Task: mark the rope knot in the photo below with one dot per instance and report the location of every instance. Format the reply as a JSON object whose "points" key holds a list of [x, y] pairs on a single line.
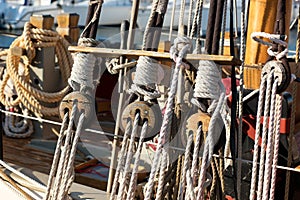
{"points": [[87, 42], [181, 46]]}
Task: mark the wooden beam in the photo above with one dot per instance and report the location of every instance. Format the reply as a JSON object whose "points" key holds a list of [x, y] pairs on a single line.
{"points": [[114, 53]]}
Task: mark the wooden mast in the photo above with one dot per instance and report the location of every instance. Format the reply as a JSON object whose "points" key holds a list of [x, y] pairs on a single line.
{"points": [[262, 18]]}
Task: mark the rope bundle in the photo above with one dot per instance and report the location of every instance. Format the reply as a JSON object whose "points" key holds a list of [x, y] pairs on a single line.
{"points": [[28, 95]]}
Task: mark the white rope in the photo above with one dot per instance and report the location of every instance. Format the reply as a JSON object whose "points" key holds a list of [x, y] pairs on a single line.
{"points": [[190, 188], [208, 83], [16, 127], [264, 136], [124, 178], [177, 55], [257, 137], [273, 38], [148, 73], [276, 145], [186, 166], [211, 140], [62, 170], [133, 179], [162, 173], [121, 160], [83, 72], [240, 102], [270, 142], [194, 169]]}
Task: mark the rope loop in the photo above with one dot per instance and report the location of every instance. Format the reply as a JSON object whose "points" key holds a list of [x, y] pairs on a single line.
{"points": [[30, 96], [274, 38], [181, 46]]}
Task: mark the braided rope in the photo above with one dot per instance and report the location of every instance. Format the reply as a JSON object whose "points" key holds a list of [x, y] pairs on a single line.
{"points": [[121, 160], [186, 166], [270, 143], [163, 170], [264, 136], [257, 136], [195, 160], [124, 178], [28, 95], [276, 145], [240, 103], [190, 20], [133, 179]]}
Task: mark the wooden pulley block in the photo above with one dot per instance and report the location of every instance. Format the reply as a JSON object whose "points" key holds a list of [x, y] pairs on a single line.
{"points": [[148, 112], [280, 71], [84, 105], [195, 120]]}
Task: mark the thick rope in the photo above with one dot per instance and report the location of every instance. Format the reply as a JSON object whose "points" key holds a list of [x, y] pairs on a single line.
{"points": [[162, 174], [28, 95], [224, 26], [84, 75], [190, 20], [148, 74], [174, 51], [207, 83]]}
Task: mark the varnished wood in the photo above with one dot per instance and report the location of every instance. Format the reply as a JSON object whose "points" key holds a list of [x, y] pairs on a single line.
{"points": [[114, 53]]}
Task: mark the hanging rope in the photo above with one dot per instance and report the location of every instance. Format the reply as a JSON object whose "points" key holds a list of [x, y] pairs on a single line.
{"points": [[30, 96], [177, 55], [62, 170], [240, 103]]}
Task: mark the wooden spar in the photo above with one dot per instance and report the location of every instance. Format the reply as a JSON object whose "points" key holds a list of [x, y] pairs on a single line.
{"points": [[114, 53], [217, 28], [210, 26], [262, 15]]}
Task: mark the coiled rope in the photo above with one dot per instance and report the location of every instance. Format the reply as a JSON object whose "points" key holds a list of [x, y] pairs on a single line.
{"points": [[28, 95]]}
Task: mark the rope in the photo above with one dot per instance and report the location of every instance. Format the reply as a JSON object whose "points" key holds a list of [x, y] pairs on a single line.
{"points": [[224, 26], [210, 141], [63, 161], [28, 95], [162, 174], [194, 169], [270, 143], [84, 74], [124, 178], [208, 83], [273, 38], [186, 166], [121, 160], [148, 74], [133, 179], [240, 102], [177, 55], [264, 136], [276, 146], [192, 2]]}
